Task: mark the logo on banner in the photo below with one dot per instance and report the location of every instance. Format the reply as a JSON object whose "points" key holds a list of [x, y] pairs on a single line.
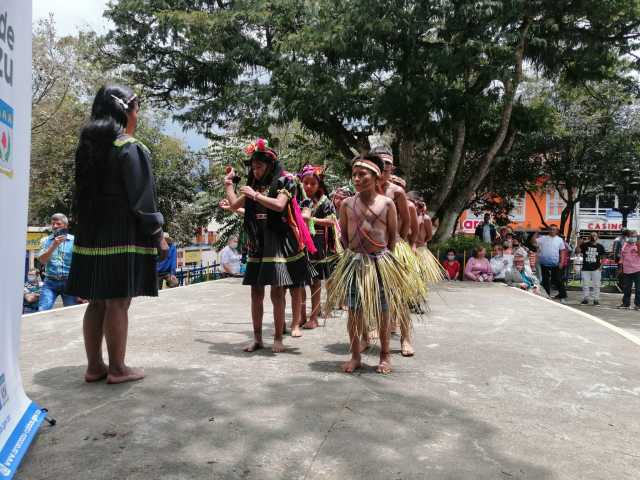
{"points": [[6, 139], [4, 471]]}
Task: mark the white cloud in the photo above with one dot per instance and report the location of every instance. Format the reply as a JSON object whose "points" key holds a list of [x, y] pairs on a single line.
{"points": [[72, 16]]}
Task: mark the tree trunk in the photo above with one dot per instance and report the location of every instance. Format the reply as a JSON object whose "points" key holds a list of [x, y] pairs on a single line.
{"points": [[448, 222], [407, 159], [452, 168]]}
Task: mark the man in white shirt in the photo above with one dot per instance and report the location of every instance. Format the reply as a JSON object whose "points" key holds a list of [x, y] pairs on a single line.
{"points": [[549, 248], [500, 263], [230, 258]]}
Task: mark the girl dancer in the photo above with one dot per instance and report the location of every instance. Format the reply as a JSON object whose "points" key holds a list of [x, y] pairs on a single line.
{"points": [[276, 237], [320, 215]]}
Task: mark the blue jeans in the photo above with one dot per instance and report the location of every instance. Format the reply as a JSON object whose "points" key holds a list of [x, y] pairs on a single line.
{"points": [[50, 291]]}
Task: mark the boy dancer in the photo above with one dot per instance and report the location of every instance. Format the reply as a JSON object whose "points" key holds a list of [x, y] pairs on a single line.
{"points": [[430, 268], [402, 249], [367, 277]]}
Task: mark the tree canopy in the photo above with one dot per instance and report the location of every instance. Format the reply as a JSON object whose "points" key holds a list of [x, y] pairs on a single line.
{"points": [[440, 78]]}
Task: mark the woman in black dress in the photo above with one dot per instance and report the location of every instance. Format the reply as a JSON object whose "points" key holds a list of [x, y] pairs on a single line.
{"points": [[118, 230], [320, 214], [275, 237]]}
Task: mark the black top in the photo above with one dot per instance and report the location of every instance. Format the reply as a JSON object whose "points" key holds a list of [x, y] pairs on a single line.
{"points": [[592, 254]]}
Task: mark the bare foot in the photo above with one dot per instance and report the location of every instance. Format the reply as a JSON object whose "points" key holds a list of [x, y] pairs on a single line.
{"points": [[406, 349], [91, 376], [384, 367], [278, 346], [129, 374], [253, 347], [352, 365], [311, 324], [296, 332]]}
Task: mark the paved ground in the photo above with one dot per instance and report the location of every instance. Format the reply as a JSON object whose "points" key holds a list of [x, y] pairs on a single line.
{"points": [[505, 386], [628, 320]]}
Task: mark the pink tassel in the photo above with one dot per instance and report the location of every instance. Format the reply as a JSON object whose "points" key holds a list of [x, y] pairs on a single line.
{"points": [[302, 227]]}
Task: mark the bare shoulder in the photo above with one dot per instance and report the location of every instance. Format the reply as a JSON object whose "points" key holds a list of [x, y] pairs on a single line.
{"points": [[349, 202]]}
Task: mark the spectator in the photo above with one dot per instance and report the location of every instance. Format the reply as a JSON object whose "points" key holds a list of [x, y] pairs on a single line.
{"points": [[230, 258], [31, 293], [451, 265], [517, 248], [506, 248], [55, 254], [630, 256], [592, 254], [486, 231], [532, 246], [550, 247], [478, 268], [500, 263], [167, 268], [520, 277]]}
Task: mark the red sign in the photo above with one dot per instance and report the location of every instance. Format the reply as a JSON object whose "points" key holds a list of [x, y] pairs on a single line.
{"points": [[604, 226], [470, 225]]}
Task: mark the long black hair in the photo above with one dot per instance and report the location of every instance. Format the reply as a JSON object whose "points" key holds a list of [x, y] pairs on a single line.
{"points": [[108, 120]]}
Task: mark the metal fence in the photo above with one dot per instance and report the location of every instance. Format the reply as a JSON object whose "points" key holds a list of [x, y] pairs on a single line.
{"points": [[203, 273]]}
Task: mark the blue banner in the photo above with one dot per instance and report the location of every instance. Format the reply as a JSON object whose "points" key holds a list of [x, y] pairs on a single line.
{"points": [[20, 439]]}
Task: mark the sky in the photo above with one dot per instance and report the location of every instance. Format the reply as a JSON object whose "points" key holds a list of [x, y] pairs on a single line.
{"points": [[72, 16]]}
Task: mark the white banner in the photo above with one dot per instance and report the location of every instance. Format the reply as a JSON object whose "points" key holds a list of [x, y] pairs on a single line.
{"points": [[19, 417]]}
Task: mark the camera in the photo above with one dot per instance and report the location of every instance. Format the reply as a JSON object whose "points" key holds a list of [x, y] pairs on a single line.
{"points": [[60, 232]]}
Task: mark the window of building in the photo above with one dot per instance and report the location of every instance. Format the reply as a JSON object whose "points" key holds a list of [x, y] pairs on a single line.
{"points": [[588, 202], [606, 201], [555, 204], [519, 207]]}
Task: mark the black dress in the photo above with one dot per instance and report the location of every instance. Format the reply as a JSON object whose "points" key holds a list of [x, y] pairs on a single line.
{"points": [[324, 238], [276, 254], [114, 254]]}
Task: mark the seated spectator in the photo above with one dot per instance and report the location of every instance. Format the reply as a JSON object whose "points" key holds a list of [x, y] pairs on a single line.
{"points": [[500, 263], [506, 247], [519, 277], [518, 248], [31, 293], [452, 266], [478, 268], [167, 268], [230, 258]]}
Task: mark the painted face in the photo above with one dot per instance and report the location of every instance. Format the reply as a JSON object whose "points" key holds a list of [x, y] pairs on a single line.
{"points": [[258, 168], [310, 184], [363, 179]]}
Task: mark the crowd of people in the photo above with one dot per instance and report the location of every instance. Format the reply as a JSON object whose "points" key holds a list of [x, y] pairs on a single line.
{"points": [[539, 262], [367, 244]]}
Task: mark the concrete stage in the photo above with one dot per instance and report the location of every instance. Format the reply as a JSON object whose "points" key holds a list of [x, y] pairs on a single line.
{"points": [[504, 385]]}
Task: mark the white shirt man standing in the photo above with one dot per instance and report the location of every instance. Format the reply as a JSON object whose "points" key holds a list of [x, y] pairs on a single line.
{"points": [[550, 247]]}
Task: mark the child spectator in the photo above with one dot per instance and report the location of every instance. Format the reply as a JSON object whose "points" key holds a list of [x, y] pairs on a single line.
{"points": [[452, 266]]}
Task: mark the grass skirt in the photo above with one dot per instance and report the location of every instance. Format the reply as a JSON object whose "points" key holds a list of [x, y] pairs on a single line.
{"points": [[417, 292], [368, 282], [431, 270]]}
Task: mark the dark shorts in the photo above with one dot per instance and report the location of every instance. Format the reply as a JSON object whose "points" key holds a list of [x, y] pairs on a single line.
{"points": [[353, 298]]}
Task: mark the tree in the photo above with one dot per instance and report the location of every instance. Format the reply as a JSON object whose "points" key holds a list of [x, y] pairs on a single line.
{"points": [[441, 78], [589, 128], [63, 84]]}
